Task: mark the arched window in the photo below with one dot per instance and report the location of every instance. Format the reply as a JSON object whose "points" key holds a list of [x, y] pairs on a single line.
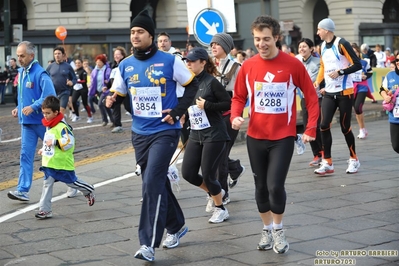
{"points": [[390, 10], [320, 12]]}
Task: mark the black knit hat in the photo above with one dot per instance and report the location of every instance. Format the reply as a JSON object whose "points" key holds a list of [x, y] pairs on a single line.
{"points": [[143, 20]]}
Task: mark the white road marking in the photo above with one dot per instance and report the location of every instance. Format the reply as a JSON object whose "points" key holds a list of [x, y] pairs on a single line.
{"points": [[63, 196]]}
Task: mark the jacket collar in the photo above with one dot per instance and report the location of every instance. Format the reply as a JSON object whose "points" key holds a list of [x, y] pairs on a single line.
{"points": [[27, 69]]}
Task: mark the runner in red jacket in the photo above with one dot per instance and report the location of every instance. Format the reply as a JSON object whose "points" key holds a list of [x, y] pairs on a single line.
{"points": [[269, 80]]}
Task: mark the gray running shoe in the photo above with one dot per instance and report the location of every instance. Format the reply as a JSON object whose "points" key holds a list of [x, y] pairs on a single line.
{"points": [[18, 195], [172, 240], [233, 181], [44, 214], [280, 243], [226, 200], [117, 130], [266, 241], [145, 253]]}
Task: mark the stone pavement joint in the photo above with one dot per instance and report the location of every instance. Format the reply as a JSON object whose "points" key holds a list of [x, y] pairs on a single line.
{"points": [[323, 215]]}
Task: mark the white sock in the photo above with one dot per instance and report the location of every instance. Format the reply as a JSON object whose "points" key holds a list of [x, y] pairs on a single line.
{"points": [[278, 226], [268, 227]]}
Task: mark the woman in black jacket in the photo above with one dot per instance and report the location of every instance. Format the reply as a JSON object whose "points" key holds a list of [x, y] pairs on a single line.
{"points": [[80, 89], [208, 135]]}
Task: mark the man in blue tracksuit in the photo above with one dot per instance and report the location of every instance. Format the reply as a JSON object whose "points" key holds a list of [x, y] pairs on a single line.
{"points": [[150, 77], [34, 84]]}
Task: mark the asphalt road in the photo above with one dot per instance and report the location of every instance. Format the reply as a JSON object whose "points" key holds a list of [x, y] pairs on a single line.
{"points": [[92, 141]]}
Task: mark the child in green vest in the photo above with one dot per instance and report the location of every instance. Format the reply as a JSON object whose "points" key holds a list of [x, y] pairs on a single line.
{"points": [[57, 157]]}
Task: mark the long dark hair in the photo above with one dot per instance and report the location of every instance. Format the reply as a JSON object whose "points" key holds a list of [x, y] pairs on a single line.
{"points": [[210, 67]]}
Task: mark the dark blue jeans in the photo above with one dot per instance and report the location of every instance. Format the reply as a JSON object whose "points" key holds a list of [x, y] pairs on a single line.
{"points": [[2, 92], [93, 100], [104, 110]]}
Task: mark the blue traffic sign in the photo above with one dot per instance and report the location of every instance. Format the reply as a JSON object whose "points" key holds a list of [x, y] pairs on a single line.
{"points": [[207, 23]]}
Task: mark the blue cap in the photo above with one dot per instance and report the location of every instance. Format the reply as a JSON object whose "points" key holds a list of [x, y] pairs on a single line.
{"points": [[197, 53]]}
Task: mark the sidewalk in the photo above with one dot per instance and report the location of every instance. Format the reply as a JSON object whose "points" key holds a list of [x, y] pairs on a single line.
{"points": [[323, 214]]}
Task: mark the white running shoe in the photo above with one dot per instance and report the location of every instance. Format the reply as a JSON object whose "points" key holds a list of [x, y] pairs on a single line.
{"points": [[117, 130], [90, 120], [266, 241], [365, 132], [325, 168], [300, 146], [219, 216], [361, 134], [211, 205], [353, 166], [226, 200], [18, 195], [75, 118], [145, 253], [280, 243], [172, 240]]}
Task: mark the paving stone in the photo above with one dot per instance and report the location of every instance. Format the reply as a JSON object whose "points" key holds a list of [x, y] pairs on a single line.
{"points": [[338, 212]]}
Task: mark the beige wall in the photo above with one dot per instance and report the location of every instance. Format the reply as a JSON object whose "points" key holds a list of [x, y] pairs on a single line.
{"points": [[94, 14], [172, 14]]}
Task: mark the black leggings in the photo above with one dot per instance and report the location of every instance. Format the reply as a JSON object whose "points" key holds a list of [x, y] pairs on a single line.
{"points": [[394, 129], [223, 171], [207, 156], [317, 146], [75, 96], [359, 102], [270, 161], [15, 94], [329, 105], [116, 109]]}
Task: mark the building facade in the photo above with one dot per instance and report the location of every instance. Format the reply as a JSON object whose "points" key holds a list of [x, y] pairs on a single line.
{"points": [[97, 26], [360, 21]]}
